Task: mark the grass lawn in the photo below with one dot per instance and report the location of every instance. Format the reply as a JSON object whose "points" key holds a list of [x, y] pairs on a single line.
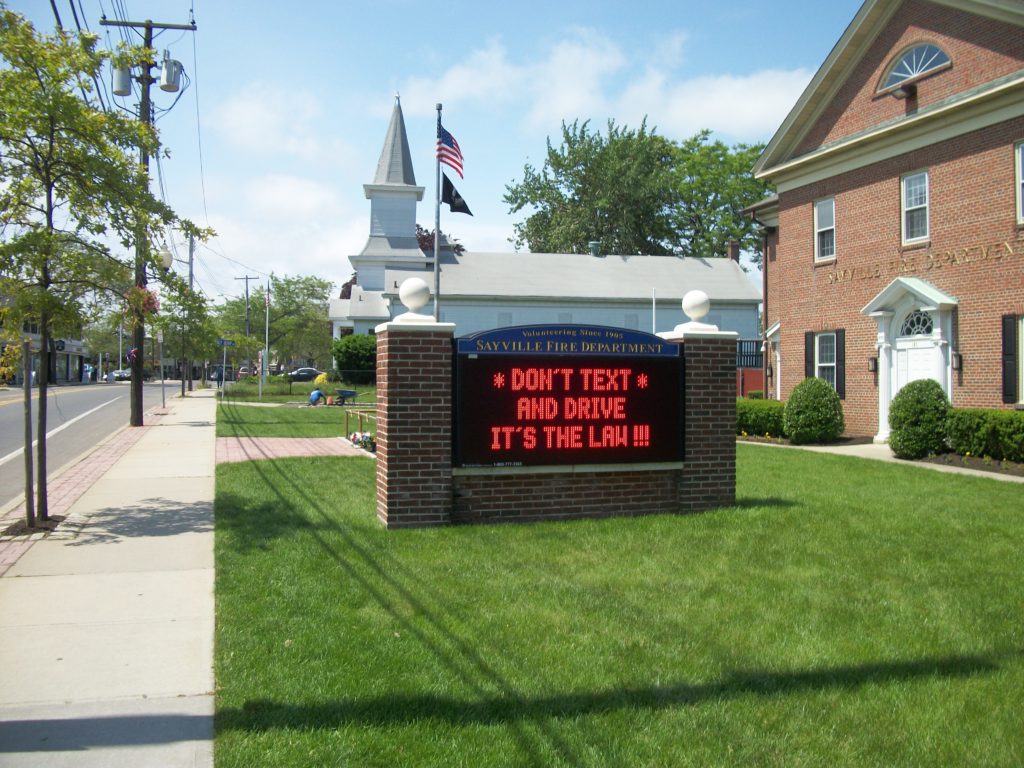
{"points": [[241, 420], [845, 612], [278, 391]]}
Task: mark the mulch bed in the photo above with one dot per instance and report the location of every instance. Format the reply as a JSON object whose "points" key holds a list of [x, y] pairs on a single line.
{"points": [[980, 463]]}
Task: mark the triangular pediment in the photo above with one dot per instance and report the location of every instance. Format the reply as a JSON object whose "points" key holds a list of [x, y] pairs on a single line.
{"points": [[925, 295], [844, 89]]}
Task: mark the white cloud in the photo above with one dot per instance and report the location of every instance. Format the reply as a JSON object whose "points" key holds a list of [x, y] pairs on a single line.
{"points": [[486, 76], [290, 197], [586, 74], [272, 120], [744, 107], [571, 82]]}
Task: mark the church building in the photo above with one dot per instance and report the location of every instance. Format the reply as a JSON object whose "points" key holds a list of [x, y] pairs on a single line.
{"points": [[894, 247], [481, 291]]}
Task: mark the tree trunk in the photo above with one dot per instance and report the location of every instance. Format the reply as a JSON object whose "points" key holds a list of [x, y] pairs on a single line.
{"points": [[42, 507]]}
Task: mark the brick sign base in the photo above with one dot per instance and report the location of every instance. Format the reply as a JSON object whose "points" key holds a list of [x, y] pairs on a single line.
{"points": [[417, 485]]}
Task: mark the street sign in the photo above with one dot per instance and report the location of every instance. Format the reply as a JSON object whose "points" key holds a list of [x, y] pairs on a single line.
{"points": [[226, 342]]}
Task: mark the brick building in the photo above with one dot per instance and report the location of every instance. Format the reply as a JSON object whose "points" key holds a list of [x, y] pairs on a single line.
{"points": [[894, 248]]}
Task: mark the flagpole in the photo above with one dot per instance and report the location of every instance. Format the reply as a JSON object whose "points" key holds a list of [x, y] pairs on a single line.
{"points": [[437, 226], [266, 340]]}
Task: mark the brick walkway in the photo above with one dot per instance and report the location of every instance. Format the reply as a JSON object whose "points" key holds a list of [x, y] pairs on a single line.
{"points": [[232, 449], [65, 489]]}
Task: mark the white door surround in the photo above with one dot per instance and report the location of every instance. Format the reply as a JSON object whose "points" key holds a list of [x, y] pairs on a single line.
{"points": [[915, 330]]}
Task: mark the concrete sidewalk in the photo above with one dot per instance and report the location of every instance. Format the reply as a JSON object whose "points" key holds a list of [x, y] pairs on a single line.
{"points": [[106, 626]]}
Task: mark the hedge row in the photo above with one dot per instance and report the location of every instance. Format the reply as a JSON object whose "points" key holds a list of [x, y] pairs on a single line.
{"points": [[762, 418], [986, 432], [990, 432]]}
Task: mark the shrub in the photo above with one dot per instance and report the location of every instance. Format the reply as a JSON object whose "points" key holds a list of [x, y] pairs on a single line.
{"points": [[759, 417], [986, 432], [813, 413], [917, 419], [355, 352], [322, 379]]}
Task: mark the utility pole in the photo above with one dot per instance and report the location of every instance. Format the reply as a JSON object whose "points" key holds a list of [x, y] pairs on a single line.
{"points": [[247, 278], [141, 238]]}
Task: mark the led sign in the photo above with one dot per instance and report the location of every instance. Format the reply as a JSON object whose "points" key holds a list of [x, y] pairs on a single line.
{"points": [[549, 395]]}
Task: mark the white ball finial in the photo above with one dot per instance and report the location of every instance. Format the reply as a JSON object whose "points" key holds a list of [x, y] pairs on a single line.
{"points": [[696, 305], [414, 293]]}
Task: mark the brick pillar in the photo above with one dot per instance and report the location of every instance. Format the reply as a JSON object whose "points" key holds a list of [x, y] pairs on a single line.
{"points": [[414, 424], [709, 477]]}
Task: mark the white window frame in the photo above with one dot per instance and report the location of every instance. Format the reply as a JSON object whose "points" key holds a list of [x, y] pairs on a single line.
{"points": [[820, 365], [1018, 158], [904, 210], [818, 230]]}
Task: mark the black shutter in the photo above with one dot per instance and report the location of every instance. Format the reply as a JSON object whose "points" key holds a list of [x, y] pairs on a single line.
{"points": [[809, 355], [841, 363], [1010, 361]]}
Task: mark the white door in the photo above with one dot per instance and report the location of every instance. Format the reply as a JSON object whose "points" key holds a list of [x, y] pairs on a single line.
{"points": [[915, 359]]}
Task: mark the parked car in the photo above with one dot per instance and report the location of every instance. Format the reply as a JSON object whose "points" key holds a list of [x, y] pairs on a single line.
{"points": [[123, 375], [243, 372], [303, 374]]}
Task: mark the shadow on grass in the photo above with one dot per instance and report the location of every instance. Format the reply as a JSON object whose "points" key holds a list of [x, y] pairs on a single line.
{"points": [[260, 714]]}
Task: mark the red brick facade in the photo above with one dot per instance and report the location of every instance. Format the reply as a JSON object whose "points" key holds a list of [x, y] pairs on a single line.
{"points": [[974, 252], [414, 427], [416, 485]]}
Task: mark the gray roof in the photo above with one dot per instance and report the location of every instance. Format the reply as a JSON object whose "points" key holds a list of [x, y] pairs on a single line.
{"points": [[582, 276], [395, 164], [393, 247]]}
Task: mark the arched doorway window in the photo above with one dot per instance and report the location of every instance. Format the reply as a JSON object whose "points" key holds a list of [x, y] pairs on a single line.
{"points": [[917, 323]]}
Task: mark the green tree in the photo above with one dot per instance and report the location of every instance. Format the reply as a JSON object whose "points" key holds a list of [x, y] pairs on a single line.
{"points": [[638, 193], [615, 188], [300, 333], [70, 184], [355, 352], [714, 185], [188, 328]]}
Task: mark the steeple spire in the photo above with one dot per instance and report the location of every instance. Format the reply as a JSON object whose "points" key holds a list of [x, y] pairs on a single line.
{"points": [[395, 164]]}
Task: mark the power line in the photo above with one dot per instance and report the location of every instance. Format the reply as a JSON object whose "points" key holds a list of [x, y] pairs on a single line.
{"points": [[199, 130]]}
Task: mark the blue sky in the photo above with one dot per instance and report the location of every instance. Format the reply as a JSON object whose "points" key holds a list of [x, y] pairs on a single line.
{"points": [[290, 103]]}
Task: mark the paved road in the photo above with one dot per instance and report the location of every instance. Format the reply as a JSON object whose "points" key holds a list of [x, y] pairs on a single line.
{"points": [[78, 417]]}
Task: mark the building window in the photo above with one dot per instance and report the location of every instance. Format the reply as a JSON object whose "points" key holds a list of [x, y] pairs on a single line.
{"points": [[915, 207], [1018, 156], [915, 64], [825, 229], [825, 358], [917, 323]]}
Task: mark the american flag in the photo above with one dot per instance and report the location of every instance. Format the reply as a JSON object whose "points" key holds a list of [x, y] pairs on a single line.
{"points": [[448, 151]]}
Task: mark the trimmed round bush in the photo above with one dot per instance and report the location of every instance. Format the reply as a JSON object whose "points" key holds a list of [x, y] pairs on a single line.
{"points": [[917, 420], [813, 413]]}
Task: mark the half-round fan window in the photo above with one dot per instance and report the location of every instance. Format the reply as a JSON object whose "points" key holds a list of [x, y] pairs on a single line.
{"points": [[916, 62], [918, 323]]}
